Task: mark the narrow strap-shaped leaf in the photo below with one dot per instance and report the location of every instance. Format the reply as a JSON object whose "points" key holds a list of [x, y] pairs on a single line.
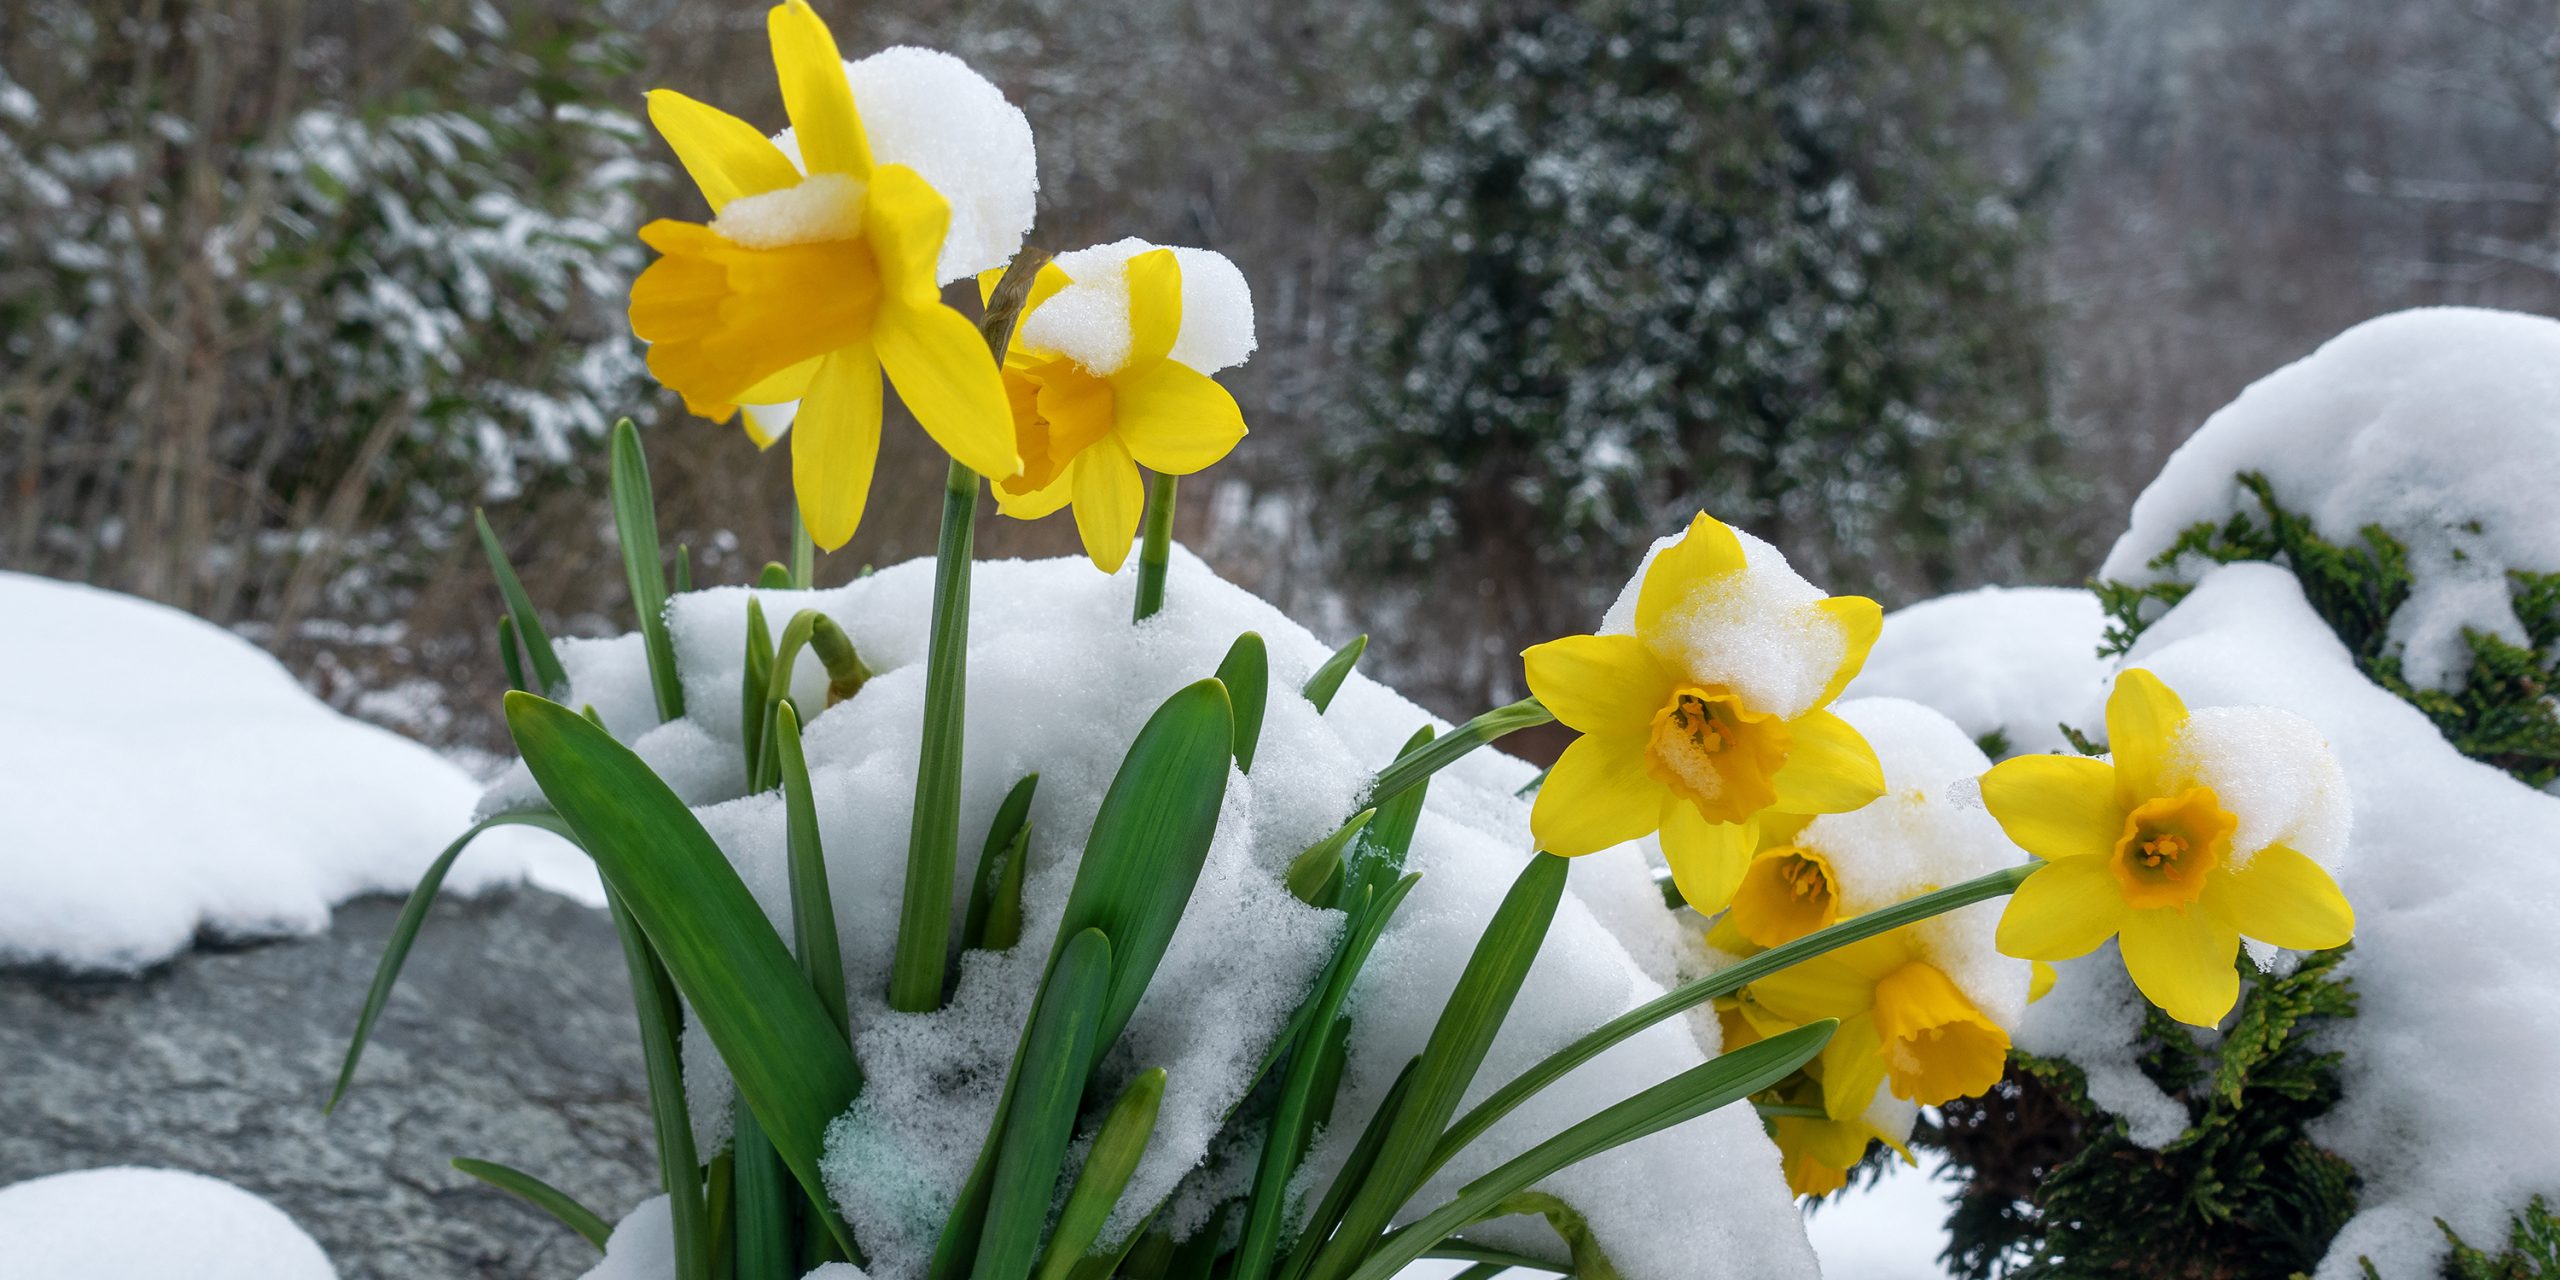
{"points": [[764, 1205], [537, 642], [1482, 1271], [684, 568], [757, 676], [1355, 1169], [1150, 1257], [1197, 1259], [720, 1213], [661, 1019], [508, 654], [795, 637], [1686, 1096], [922, 952], [1450, 1059], [1590, 1261], [996, 864], [1500, 1260], [1315, 876], [1246, 672], [404, 933], [541, 1195], [775, 576], [1500, 721], [1327, 679], [804, 553], [813, 907], [635, 526], [1117, 1148], [791, 1063], [1379, 855], [1049, 1077]]}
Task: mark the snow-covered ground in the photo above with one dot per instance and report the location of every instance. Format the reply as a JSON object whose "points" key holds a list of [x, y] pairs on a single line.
{"points": [[149, 1224]]}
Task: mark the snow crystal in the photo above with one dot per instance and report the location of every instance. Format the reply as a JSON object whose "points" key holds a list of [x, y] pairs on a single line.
{"points": [[83, 1226], [2441, 425], [2015, 661], [1088, 320], [929, 111], [165, 777], [2271, 770], [1758, 635], [642, 1246], [825, 207]]}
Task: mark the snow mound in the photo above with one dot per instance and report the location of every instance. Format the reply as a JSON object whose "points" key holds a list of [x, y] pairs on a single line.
{"points": [[642, 1246], [1088, 321], [2441, 425], [1060, 682], [162, 778], [2015, 661], [150, 1224], [1760, 635]]}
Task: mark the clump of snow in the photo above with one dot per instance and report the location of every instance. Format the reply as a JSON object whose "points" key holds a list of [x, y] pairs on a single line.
{"points": [[825, 207], [2271, 771], [929, 111], [165, 778], [2441, 425], [1088, 320], [2093, 1016], [836, 1271], [1060, 682], [129, 1223], [1757, 632], [2015, 661], [642, 1246]]}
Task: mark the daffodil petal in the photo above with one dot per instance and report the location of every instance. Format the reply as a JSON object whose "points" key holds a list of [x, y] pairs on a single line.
{"points": [[1155, 307], [2284, 898], [1707, 858], [1597, 796], [1861, 620], [2182, 961], [2143, 718], [726, 157], [835, 442], [905, 220], [1822, 987], [1045, 284], [2056, 807], [767, 424], [1829, 769], [790, 384], [1707, 551], [1175, 419], [2063, 909], [1853, 1068], [1109, 499], [943, 372], [1598, 684], [1038, 502], [815, 92]]}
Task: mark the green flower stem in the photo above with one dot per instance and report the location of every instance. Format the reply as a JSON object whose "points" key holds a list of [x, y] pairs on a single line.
{"points": [[1414, 766], [804, 552], [1723, 982], [1155, 545], [933, 837]]}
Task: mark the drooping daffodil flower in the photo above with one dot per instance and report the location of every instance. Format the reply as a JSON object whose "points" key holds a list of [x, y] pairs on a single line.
{"points": [[821, 267], [1109, 372], [2200, 830], [1701, 708]]}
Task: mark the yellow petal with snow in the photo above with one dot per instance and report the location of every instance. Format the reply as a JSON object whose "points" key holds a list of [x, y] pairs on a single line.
{"points": [[2282, 897], [1598, 684], [835, 442], [726, 157], [942, 371], [1175, 419], [1707, 858], [765, 423], [2063, 909], [1829, 768], [2040, 979], [2183, 962], [1861, 621], [1109, 500], [905, 220], [1706, 552], [1597, 796], [815, 92], [2143, 719], [2056, 807], [1155, 307]]}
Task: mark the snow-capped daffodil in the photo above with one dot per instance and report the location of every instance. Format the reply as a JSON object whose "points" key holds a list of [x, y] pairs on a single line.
{"points": [[1703, 709], [1104, 377], [1818, 1151], [2141, 847], [1903, 1022], [812, 280]]}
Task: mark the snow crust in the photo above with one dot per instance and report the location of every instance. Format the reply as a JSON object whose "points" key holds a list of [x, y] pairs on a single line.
{"points": [[1060, 681], [161, 778], [128, 1223], [2441, 425], [1757, 634], [2017, 661], [825, 207], [1088, 321]]}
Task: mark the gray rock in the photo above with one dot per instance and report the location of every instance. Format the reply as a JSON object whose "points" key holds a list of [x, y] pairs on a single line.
{"points": [[510, 1039]]}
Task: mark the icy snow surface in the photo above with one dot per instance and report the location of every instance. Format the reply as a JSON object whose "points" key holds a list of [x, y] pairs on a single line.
{"points": [[161, 777], [2441, 425], [1759, 634], [1060, 681], [2017, 661], [1088, 320], [149, 1224]]}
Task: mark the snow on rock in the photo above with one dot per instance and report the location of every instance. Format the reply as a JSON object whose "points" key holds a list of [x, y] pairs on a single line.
{"points": [[161, 778], [2454, 883], [2015, 661], [149, 1224], [1059, 682], [2441, 425], [1088, 320]]}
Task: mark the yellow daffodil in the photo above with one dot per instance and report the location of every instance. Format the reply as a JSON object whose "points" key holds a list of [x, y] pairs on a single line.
{"points": [[809, 286], [2140, 849], [1818, 1151], [1786, 891], [1903, 1023], [1689, 724], [1084, 426]]}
